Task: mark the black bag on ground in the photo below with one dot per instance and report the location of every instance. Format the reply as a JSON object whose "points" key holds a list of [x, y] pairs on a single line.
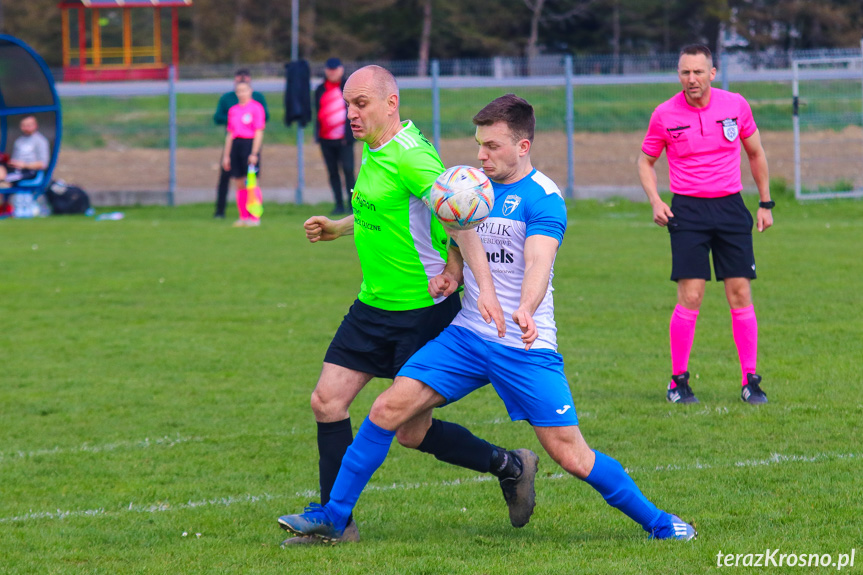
{"points": [[66, 199]]}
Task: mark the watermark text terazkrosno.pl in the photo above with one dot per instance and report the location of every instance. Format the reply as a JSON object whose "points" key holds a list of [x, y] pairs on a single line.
{"points": [[776, 558]]}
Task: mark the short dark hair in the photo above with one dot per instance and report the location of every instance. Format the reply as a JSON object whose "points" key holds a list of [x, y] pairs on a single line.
{"points": [[695, 49], [516, 112], [243, 72]]}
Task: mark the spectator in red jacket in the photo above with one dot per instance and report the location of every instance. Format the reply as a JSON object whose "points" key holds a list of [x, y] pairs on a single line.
{"points": [[333, 133]]}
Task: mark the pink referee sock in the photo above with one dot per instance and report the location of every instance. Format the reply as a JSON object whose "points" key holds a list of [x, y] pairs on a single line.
{"points": [[681, 332], [744, 326], [242, 198]]}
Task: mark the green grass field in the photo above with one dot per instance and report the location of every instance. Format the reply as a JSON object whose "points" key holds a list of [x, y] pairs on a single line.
{"points": [[156, 375], [94, 122]]}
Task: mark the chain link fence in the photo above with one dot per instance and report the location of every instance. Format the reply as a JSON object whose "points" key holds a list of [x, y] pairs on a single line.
{"points": [[117, 137], [828, 138]]}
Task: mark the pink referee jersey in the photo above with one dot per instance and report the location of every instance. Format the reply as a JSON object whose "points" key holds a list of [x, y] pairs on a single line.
{"points": [[702, 144], [245, 119]]}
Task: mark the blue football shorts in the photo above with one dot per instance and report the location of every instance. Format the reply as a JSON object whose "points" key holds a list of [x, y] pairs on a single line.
{"points": [[531, 383]]}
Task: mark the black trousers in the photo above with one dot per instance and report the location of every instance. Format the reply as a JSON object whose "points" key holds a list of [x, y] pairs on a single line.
{"points": [[338, 154], [222, 189]]}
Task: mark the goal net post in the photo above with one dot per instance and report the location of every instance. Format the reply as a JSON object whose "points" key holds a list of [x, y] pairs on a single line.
{"points": [[828, 127]]}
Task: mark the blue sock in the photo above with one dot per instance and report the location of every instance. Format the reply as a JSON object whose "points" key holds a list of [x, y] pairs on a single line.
{"points": [[620, 491], [362, 459]]}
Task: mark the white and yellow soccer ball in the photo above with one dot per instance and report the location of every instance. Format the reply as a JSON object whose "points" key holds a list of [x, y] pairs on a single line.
{"points": [[462, 197]]}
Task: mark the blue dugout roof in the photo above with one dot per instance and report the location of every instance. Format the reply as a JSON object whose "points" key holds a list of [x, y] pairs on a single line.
{"points": [[27, 89]]}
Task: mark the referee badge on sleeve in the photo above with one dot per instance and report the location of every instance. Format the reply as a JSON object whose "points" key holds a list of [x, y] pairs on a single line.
{"points": [[729, 128]]}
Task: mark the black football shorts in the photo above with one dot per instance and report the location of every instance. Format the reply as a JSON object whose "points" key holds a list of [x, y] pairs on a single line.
{"points": [[701, 226], [379, 342], [241, 149]]}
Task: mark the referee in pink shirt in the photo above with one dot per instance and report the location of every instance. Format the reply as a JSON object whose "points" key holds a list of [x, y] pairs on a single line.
{"points": [[243, 140], [701, 129]]}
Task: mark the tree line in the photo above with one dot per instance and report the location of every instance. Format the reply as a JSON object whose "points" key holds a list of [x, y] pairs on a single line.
{"points": [[251, 31]]}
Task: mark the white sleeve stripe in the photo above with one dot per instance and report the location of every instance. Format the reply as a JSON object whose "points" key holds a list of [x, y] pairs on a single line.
{"points": [[546, 183], [406, 141]]}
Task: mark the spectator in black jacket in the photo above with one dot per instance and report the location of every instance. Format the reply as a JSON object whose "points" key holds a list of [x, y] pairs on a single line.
{"points": [[333, 132]]}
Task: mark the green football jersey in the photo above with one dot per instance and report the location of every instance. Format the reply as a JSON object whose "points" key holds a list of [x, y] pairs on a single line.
{"points": [[400, 243]]}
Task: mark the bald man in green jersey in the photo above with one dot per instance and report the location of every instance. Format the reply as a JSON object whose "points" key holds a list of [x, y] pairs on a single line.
{"points": [[400, 246]]}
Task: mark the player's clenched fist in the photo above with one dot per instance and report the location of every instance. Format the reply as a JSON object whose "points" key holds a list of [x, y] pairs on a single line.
{"points": [[322, 228], [314, 227], [442, 285]]}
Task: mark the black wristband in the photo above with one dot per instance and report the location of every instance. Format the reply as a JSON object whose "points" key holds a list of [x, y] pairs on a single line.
{"points": [[767, 205]]}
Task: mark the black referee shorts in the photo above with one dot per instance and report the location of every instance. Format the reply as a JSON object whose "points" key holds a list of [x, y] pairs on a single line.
{"points": [[700, 226], [241, 149], [379, 342]]}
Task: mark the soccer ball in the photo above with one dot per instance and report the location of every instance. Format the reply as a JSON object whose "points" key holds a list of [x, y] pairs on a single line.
{"points": [[461, 198]]}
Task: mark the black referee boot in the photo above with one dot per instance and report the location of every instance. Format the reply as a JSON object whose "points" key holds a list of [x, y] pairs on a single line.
{"points": [[682, 393], [751, 392]]}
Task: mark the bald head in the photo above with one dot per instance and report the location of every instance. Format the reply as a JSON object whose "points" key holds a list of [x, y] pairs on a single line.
{"points": [[376, 80], [372, 96]]}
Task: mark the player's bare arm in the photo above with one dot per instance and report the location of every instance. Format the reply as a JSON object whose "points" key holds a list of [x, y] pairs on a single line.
{"points": [[452, 276], [647, 175], [322, 228], [539, 254], [474, 255], [761, 175]]}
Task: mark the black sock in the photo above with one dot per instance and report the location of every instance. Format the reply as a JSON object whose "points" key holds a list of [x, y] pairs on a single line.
{"points": [[505, 464], [452, 443], [333, 441]]}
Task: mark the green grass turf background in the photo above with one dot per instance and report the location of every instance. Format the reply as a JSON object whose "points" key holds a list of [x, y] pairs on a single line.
{"points": [[156, 374]]}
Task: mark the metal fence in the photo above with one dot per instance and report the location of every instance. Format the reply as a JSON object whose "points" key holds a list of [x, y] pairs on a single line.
{"points": [[123, 143], [827, 120]]}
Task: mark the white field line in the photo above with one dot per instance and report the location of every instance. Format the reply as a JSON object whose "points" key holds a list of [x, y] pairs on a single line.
{"points": [[164, 441], [87, 447], [132, 508], [774, 459]]}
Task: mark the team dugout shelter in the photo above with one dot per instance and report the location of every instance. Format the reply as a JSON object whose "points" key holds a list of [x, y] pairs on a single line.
{"points": [[27, 89], [111, 40]]}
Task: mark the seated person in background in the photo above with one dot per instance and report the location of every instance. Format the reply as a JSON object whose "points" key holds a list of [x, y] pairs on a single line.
{"points": [[30, 154]]}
